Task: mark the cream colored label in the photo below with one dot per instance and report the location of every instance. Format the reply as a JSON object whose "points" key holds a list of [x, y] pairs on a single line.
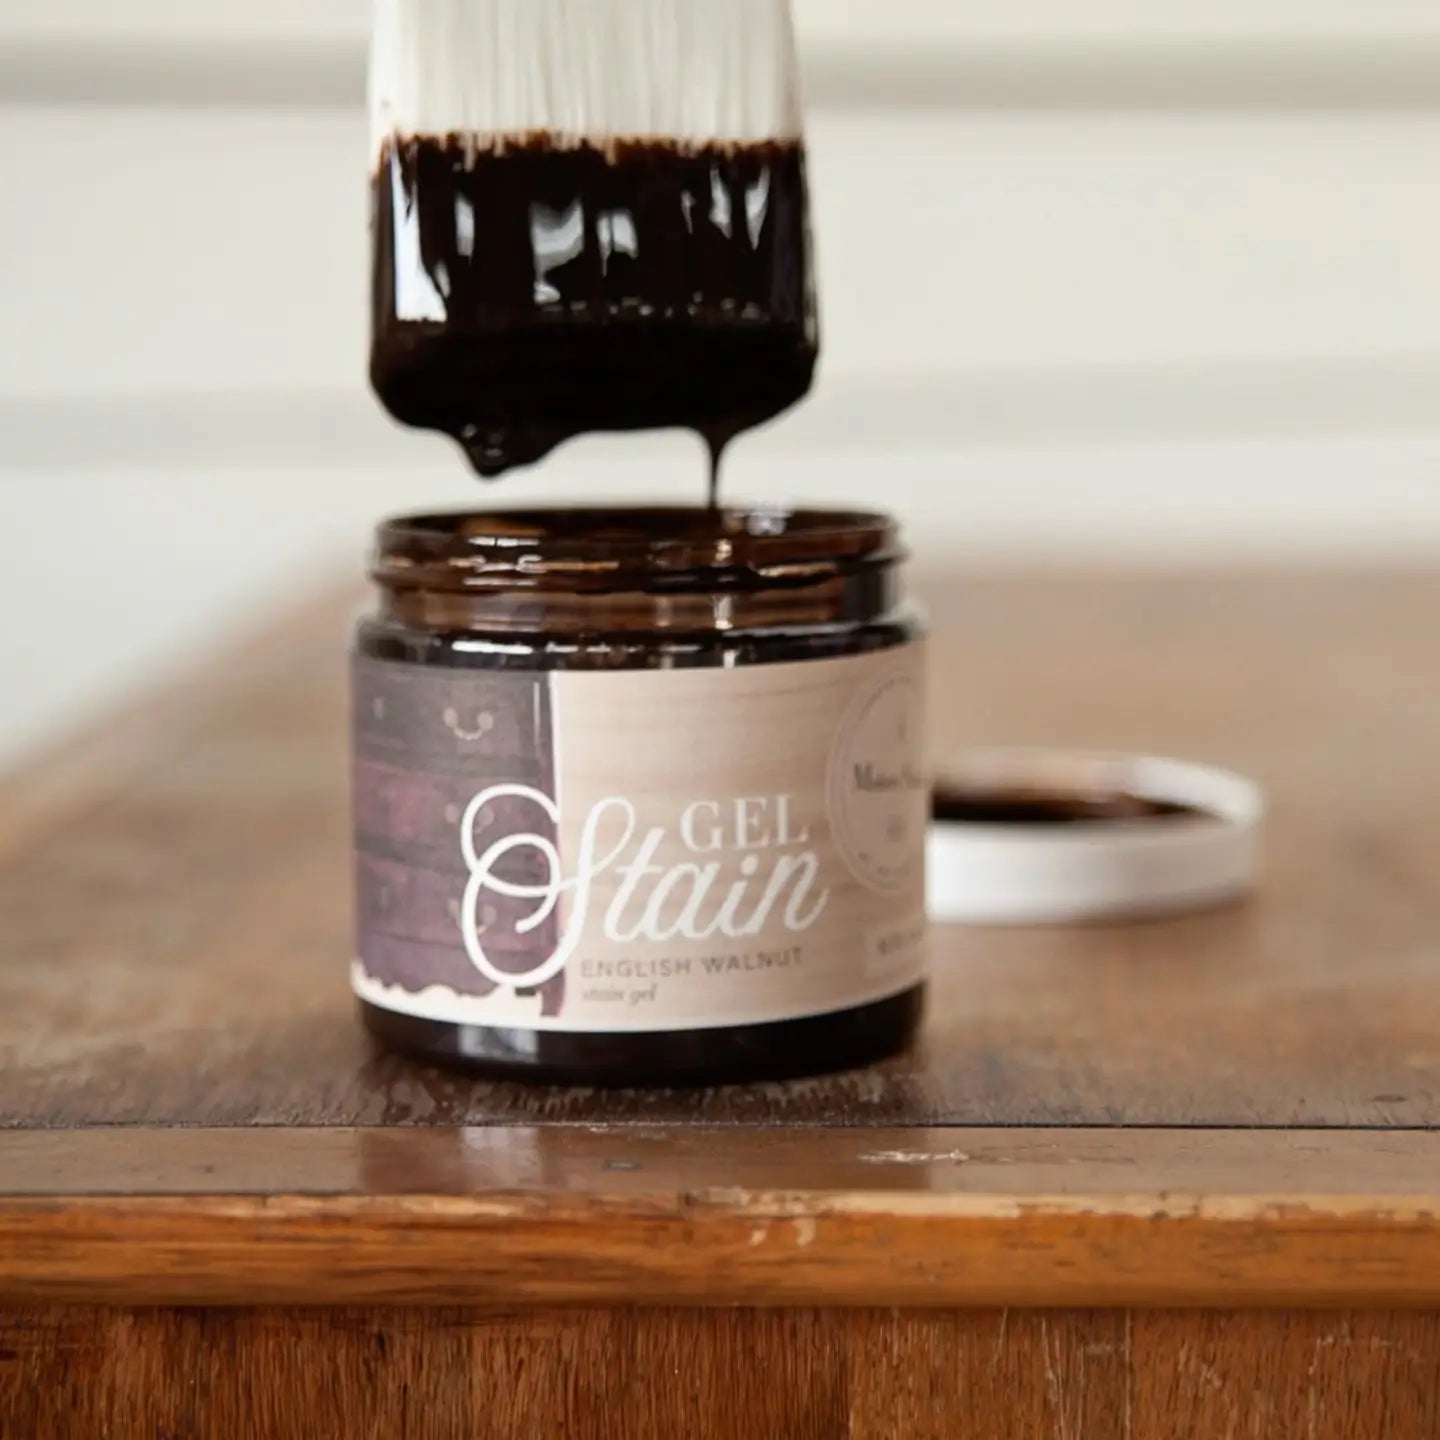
{"points": [[642, 850]]}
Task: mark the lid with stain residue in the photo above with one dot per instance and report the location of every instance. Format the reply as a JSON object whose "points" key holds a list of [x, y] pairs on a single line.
{"points": [[1041, 837]]}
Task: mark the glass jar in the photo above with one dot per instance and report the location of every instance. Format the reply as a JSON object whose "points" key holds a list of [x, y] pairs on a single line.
{"points": [[639, 794]]}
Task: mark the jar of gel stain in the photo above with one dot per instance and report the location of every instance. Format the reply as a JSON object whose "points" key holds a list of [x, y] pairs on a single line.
{"points": [[639, 794]]}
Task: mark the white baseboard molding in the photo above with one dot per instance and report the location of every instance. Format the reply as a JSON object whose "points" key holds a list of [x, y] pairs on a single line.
{"points": [[914, 73], [851, 21], [882, 415]]}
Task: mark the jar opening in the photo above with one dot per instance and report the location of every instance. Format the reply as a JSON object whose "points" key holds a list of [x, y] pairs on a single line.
{"points": [[643, 548]]}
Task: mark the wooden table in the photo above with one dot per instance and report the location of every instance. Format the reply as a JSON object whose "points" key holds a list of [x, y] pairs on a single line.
{"points": [[1169, 1179]]}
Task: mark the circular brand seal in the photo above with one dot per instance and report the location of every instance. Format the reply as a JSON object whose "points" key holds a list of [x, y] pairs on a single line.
{"points": [[877, 794]]}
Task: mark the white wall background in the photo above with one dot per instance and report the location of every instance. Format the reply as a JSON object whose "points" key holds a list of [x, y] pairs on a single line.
{"points": [[1128, 282]]}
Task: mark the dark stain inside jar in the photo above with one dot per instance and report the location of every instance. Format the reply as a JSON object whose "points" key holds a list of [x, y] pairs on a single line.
{"points": [[1039, 807]]}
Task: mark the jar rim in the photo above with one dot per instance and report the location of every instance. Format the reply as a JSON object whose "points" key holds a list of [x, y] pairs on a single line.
{"points": [[630, 546]]}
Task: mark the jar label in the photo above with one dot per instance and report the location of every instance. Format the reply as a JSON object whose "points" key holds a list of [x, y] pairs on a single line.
{"points": [[640, 850]]}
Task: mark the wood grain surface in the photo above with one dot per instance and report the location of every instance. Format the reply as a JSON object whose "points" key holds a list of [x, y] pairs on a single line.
{"points": [[1236, 1110], [726, 1375], [720, 1215], [176, 929]]}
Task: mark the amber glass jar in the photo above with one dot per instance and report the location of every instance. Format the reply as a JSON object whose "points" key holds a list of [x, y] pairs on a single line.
{"points": [[639, 794]]}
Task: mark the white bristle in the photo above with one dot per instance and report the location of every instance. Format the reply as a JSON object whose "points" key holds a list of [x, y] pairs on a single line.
{"points": [[688, 70]]}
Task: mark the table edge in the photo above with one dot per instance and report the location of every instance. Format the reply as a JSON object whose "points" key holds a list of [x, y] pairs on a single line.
{"points": [[516, 1216]]}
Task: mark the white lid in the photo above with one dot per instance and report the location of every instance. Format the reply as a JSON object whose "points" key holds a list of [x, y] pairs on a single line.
{"points": [[995, 872]]}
